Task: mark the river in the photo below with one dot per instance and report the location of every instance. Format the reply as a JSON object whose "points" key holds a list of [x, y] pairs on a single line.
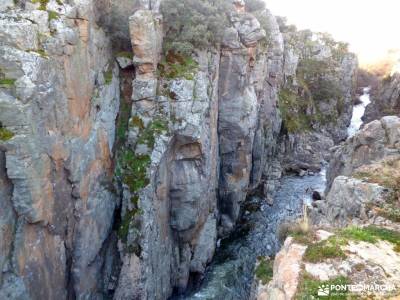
{"points": [[230, 275], [358, 112]]}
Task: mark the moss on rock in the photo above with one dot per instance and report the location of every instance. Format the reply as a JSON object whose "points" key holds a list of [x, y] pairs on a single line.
{"points": [[5, 134]]}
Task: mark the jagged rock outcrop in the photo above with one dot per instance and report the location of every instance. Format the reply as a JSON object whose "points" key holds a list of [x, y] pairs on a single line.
{"points": [[247, 111], [59, 98], [369, 267], [362, 177], [376, 141], [171, 217], [386, 101], [317, 98], [338, 210], [287, 268]]}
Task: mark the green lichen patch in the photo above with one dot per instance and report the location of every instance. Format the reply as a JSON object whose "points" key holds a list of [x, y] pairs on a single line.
{"points": [[43, 3], [5, 134], [264, 270], [53, 15], [108, 76], [125, 54], [177, 66], [147, 135], [41, 52], [7, 82], [320, 251]]}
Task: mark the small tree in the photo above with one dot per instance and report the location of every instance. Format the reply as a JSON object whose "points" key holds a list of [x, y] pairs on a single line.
{"points": [[193, 24], [255, 5]]}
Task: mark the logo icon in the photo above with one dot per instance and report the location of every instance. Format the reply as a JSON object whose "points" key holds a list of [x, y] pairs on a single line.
{"points": [[323, 290]]}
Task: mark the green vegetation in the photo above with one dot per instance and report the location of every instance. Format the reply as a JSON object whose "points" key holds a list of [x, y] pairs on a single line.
{"points": [[317, 82], [133, 170], [148, 134], [320, 251], [123, 229], [125, 54], [122, 124], [339, 49], [5, 134], [308, 287], [108, 76], [43, 3], [319, 76], [7, 82], [191, 24], [40, 52], [386, 174], [372, 234], [255, 5], [265, 270], [177, 66], [300, 230], [53, 15], [390, 211], [294, 111]]}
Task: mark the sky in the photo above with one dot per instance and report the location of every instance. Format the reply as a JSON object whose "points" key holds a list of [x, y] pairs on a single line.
{"points": [[371, 27]]}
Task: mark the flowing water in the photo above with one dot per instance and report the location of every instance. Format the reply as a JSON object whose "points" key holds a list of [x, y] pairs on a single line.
{"points": [[230, 276], [358, 112]]}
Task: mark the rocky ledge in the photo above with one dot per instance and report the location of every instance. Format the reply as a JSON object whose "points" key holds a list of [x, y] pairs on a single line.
{"points": [[355, 236]]}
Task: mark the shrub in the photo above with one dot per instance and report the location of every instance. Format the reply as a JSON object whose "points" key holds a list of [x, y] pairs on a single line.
{"points": [[299, 230], [372, 234], [293, 111], [264, 270], [255, 5], [193, 24], [308, 287], [177, 66], [320, 251]]}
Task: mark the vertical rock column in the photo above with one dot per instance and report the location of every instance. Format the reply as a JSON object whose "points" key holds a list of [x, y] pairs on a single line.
{"points": [[58, 109], [238, 112], [168, 169], [145, 233]]}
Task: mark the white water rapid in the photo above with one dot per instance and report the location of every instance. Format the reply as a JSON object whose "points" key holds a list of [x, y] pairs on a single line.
{"points": [[358, 112]]}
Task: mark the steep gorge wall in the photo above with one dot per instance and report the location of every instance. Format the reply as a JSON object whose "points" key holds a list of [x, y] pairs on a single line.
{"points": [[59, 98], [113, 189], [386, 101], [317, 97]]}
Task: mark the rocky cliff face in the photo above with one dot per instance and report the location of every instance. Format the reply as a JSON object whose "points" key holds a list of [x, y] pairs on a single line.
{"points": [[58, 104], [317, 97], [362, 177], [386, 101], [121, 165]]}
